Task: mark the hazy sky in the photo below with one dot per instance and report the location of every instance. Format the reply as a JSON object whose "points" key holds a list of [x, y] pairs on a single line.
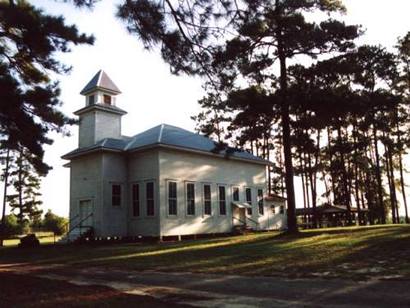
{"points": [[150, 94]]}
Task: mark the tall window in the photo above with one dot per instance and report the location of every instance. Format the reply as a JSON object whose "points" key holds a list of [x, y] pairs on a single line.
{"points": [[91, 100], [136, 200], [235, 193], [222, 200], [248, 193], [150, 198], [107, 99], [281, 209], [260, 202], [207, 200], [116, 194], [172, 198], [190, 198]]}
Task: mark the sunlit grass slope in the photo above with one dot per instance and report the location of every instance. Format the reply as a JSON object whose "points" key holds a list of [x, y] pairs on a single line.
{"points": [[43, 237], [339, 252]]}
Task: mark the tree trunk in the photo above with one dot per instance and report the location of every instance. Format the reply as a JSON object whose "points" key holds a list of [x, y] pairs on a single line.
{"points": [[346, 193], [303, 179], [370, 198], [257, 147], [327, 189], [365, 216], [282, 183], [269, 172], [20, 216], [287, 147], [287, 151], [392, 187], [356, 175], [313, 191], [381, 210], [389, 181], [370, 183], [330, 151], [317, 157], [403, 190], [305, 217], [402, 185], [3, 216], [306, 180], [393, 183]]}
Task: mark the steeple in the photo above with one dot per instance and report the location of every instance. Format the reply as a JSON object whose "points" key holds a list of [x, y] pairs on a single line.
{"points": [[100, 81], [100, 118], [100, 90]]}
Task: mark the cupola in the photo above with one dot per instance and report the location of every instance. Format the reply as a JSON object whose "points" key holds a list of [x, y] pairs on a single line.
{"points": [[100, 118], [100, 90]]}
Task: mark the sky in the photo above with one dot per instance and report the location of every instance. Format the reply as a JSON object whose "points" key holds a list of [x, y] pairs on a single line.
{"points": [[150, 93]]}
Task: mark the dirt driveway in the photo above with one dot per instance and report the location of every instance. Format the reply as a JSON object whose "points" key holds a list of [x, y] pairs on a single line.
{"points": [[205, 290]]}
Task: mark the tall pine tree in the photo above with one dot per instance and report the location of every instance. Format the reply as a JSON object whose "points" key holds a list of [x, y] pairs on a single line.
{"points": [[29, 99], [230, 39]]}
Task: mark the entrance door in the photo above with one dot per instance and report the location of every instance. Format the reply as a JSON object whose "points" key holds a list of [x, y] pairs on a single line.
{"points": [[86, 209], [239, 216]]}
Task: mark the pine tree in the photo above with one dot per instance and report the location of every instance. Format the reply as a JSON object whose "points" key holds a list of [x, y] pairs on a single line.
{"points": [[26, 183], [30, 40], [403, 89], [29, 98], [225, 39]]}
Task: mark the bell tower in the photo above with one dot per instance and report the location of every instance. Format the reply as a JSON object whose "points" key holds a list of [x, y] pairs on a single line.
{"points": [[100, 118]]}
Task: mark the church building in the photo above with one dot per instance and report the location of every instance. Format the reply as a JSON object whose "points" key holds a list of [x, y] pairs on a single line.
{"points": [[165, 181]]}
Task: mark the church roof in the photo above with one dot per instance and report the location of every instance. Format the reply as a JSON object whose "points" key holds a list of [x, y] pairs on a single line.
{"points": [[110, 144], [167, 136], [100, 81]]}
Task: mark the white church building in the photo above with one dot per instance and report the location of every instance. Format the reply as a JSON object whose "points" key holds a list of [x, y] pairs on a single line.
{"points": [[165, 181]]}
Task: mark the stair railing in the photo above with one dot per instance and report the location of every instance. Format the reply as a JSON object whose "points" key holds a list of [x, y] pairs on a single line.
{"points": [[87, 228], [79, 224], [254, 221], [240, 220], [68, 223], [244, 222]]}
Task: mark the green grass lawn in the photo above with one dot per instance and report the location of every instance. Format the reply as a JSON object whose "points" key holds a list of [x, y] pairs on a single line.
{"points": [[43, 237], [354, 252]]}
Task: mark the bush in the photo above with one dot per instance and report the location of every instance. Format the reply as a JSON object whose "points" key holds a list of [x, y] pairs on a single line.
{"points": [[54, 223], [29, 241], [12, 227]]}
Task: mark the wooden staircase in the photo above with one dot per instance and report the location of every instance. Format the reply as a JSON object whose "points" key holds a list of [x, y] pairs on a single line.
{"points": [[78, 233], [242, 229]]}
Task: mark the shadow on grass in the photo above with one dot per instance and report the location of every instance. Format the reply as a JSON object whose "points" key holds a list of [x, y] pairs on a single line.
{"points": [[264, 253], [267, 253], [86, 252], [340, 231], [27, 291]]}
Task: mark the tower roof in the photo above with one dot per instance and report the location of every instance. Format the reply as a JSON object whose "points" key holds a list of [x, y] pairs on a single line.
{"points": [[100, 81]]}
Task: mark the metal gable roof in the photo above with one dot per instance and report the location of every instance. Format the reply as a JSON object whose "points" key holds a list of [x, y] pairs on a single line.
{"points": [[104, 144], [148, 137], [178, 137], [102, 81], [168, 135]]}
